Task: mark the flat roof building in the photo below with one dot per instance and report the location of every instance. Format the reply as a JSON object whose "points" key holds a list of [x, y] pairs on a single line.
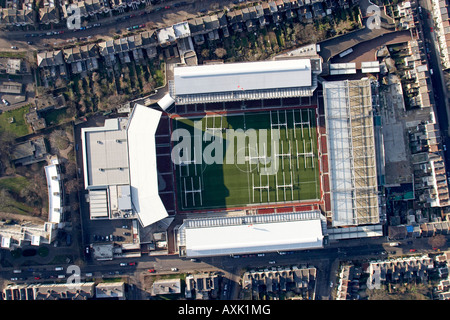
{"points": [[120, 168], [250, 234], [243, 81]]}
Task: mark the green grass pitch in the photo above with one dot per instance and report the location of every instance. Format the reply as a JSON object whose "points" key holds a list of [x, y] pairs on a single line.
{"points": [[244, 181]]}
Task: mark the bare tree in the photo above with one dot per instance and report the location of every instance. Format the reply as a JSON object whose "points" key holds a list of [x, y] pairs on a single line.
{"points": [[437, 241]]}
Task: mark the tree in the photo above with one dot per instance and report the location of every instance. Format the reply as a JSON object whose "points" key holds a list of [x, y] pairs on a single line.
{"points": [[205, 53], [220, 52], [437, 241], [72, 185]]}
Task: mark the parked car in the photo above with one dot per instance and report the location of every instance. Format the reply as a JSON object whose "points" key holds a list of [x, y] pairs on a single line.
{"points": [[151, 270], [6, 102], [132, 264], [14, 48], [174, 269], [123, 264], [272, 262]]}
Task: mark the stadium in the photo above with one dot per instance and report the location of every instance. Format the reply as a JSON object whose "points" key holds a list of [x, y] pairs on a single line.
{"points": [[243, 158]]}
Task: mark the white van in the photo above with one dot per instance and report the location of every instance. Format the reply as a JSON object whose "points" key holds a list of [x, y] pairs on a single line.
{"points": [[61, 276], [17, 271], [59, 268]]}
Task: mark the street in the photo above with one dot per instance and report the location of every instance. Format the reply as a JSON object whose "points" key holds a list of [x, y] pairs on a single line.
{"points": [[440, 94], [326, 261]]}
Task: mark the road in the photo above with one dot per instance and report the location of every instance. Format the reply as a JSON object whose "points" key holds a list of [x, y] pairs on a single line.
{"points": [[325, 260], [437, 78], [112, 26]]}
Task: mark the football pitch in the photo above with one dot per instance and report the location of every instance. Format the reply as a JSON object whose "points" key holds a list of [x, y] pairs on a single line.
{"points": [[246, 159]]}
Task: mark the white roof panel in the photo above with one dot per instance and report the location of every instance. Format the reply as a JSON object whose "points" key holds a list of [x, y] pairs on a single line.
{"points": [[143, 172], [242, 76], [166, 102], [261, 237]]}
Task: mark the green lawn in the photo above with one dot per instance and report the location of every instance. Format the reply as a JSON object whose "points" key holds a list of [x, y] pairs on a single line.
{"points": [[19, 126], [14, 184], [241, 175], [7, 202]]}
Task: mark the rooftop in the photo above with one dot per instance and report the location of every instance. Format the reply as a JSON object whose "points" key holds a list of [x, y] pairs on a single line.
{"points": [[105, 154]]}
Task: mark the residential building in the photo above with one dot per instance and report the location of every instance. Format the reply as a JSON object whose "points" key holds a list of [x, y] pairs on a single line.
{"points": [[18, 18], [82, 58], [52, 63], [167, 286], [28, 152], [202, 286]]}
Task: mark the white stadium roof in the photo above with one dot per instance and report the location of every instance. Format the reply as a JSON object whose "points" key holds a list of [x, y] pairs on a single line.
{"points": [[143, 172], [242, 76], [251, 234]]}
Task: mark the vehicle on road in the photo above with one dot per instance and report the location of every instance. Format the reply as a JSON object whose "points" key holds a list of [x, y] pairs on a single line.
{"points": [[194, 260], [272, 262], [132, 264], [394, 244], [59, 268], [123, 264], [14, 48], [261, 254], [412, 250]]}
